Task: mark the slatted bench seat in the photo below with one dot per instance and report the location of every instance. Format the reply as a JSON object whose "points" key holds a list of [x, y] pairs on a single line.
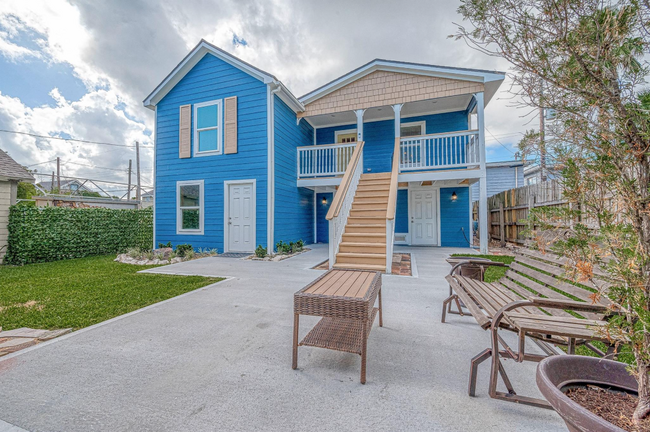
{"points": [[534, 299], [345, 299]]}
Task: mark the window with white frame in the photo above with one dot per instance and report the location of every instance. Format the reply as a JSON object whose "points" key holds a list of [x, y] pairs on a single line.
{"points": [[207, 128], [412, 129], [189, 203]]}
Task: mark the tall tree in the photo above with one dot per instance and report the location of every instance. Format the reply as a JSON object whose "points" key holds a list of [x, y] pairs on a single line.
{"points": [[588, 56]]}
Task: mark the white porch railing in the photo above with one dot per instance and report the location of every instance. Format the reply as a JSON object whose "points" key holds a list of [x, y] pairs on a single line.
{"points": [[339, 210], [445, 150], [324, 160]]}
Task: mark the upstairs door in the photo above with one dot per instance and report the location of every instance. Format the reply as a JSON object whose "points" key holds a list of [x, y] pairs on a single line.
{"points": [[241, 217], [424, 216]]}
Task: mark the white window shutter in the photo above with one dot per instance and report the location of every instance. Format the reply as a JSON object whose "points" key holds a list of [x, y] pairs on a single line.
{"points": [[230, 127], [185, 131]]}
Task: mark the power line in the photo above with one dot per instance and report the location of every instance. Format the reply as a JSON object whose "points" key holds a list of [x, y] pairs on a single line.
{"points": [[67, 139], [488, 131], [93, 166]]}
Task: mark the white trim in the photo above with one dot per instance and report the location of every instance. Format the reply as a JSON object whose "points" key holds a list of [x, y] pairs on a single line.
{"points": [[155, 144], [421, 123], [197, 152], [179, 217], [270, 168], [315, 216], [343, 132], [426, 113], [226, 212], [401, 67]]}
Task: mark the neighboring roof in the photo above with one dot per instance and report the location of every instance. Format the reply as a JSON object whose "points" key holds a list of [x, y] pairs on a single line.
{"points": [[197, 53], [491, 79], [12, 170], [47, 185], [502, 164]]}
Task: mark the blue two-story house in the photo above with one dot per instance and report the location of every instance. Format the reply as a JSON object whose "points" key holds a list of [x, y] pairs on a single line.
{"points": [[382, 155]]}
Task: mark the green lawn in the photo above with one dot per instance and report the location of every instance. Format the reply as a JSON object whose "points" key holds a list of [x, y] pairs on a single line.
{"points": [[80, 292]]}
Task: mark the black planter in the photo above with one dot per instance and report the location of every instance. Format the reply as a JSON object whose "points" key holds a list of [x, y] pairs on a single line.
{"points": [[559, 372]]}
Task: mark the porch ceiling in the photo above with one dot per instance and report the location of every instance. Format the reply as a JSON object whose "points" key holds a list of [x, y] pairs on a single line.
{"points": [[385, 112]]}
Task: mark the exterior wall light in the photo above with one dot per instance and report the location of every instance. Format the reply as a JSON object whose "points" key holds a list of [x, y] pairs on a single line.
{"points": [[454, 197], [324, 201]]}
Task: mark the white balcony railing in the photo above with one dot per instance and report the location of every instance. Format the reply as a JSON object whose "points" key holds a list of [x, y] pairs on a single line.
{"points": [[445, 150], [324, 160]]}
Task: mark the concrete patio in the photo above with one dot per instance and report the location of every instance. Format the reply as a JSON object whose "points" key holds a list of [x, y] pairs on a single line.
{"points": [[219, 358]]}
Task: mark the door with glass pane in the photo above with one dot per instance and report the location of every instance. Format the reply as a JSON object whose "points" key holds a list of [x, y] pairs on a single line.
{"points": [[241, 217]]}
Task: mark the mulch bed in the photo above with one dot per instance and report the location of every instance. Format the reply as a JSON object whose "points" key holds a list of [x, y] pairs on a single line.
{"points": [[616, 408], [401, 265]]}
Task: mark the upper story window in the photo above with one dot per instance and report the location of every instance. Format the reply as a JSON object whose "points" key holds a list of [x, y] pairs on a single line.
{"points": [[189, 207], [412, 129], [207, 128]]}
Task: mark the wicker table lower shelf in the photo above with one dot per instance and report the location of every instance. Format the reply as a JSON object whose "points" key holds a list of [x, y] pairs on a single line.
{"points": [[339, 334], [345, 299]]}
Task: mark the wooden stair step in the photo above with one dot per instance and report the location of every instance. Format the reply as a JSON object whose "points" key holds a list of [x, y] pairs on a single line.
{"points": [[371, 199], [369, 228], [379, 182], [360, 258], [372, 187], [370, 194], [366, 212], [376, 175], [374, 267], [365, 237], [369, 206], [362, 247]]}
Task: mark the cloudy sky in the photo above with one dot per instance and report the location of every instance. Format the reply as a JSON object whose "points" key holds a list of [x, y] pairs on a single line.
{"points": [[81, 68]]}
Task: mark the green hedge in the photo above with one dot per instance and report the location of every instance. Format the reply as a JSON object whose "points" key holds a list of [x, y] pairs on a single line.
{"points": [[53, 233]]}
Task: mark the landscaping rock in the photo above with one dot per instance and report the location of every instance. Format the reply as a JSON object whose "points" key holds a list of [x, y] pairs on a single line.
{"points": [[163, 253]]}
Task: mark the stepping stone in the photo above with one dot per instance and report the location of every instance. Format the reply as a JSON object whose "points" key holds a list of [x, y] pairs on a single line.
{"points": [[51, 334], [23, 332]]}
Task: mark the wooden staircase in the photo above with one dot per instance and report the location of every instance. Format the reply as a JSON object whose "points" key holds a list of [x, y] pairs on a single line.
{"points": [[364, 240]]}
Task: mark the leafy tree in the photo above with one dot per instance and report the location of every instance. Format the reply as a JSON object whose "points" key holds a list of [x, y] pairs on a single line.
{"points": [[27, 190], [587, 60]]}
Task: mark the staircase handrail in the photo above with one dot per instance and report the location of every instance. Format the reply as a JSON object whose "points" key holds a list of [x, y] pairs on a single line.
{"points": [[342, 191], [392, 194]]}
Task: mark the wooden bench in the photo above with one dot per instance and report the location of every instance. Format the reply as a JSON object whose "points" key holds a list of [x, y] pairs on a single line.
{"points": [[533, 299], [345, 299]]}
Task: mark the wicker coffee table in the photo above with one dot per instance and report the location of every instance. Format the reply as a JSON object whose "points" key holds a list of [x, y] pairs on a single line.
{"points": [[345, 299]]}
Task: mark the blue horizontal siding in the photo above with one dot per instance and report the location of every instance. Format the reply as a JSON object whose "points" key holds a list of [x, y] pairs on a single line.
{"points": [[402, 211], [211, 79], [294, 206], [380, 136], [454, 217], [322, 224]]}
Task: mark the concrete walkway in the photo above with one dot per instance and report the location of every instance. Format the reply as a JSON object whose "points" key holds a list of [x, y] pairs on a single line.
{"points": [[219, 358]]}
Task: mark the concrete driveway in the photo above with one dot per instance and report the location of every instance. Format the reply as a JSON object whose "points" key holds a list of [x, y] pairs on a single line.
{"points": [[219, 358]]}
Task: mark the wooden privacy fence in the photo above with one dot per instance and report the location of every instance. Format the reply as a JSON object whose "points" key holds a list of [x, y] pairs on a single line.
{"points": [[508, 210]]}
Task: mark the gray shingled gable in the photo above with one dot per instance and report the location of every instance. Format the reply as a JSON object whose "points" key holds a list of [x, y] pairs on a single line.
{"points": [[12, 170]]}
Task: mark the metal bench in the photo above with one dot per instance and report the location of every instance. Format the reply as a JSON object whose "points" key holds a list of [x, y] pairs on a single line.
{"points": [[534, 299]]}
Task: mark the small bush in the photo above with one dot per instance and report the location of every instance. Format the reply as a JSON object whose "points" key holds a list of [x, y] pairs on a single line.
{"points": [[164, 245], [183, 249], [134, 252], [300, 244], [260, 251]]}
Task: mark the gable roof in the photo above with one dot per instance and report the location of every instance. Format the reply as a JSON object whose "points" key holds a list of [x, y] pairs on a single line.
{"points": [[491, 79], [197, 53], [12, 170]]}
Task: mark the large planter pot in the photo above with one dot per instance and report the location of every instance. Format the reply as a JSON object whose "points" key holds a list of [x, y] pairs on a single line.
{"points": [[559, 372]]}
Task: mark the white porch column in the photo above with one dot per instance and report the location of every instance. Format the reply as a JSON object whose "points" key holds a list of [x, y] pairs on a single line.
{"points": [[359, 114], [482, 197], [398, 122]]}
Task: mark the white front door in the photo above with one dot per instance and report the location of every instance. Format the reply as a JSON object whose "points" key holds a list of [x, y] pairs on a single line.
{"points": [[424, 215], [241, 217]]}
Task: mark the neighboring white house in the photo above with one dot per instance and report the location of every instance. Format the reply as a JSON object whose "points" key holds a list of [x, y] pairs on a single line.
{"points": [[501, 176], [533, 173], [67, 186], [11, 172]]}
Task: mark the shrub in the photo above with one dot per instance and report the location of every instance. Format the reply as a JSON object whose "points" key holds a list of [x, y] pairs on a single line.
{"points": [[183, 249], [164, 245], [300, 244], [260, 251], [42, 234]]}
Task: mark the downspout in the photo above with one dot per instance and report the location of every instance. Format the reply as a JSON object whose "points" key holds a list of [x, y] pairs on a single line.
{"points": [[270, 195]]}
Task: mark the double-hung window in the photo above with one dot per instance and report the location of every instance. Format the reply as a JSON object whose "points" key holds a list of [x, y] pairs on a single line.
{"points": [[189, 203], [412, 129], [207, 128]]}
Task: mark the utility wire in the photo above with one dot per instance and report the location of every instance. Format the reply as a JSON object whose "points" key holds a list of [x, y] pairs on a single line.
{"points": [[69, 139], [488, 131]]}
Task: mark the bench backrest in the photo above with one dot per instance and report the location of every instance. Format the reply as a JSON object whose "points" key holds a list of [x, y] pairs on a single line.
{"points": [[545, 274]]}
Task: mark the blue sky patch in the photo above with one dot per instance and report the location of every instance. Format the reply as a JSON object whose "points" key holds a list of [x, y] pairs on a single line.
{"points": [[238, 41]]}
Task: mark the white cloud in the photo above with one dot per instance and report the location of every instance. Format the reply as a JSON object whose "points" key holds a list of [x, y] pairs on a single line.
{"points": [[122, 49]]}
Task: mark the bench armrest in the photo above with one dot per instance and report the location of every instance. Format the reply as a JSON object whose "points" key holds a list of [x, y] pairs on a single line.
{"points": [[476, 262], [567, 304]]}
